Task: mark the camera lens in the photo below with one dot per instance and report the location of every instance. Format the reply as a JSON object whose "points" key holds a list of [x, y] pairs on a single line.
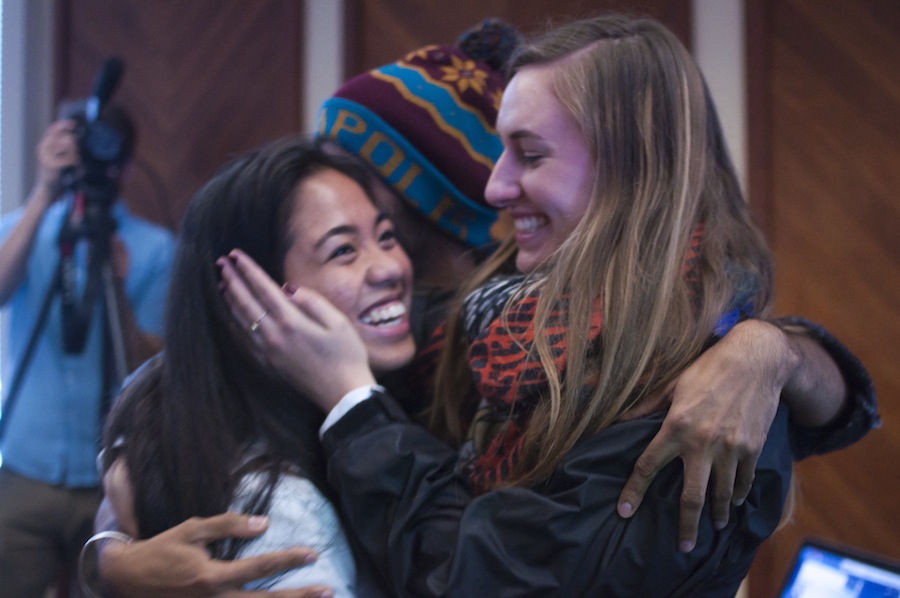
{"points": [[102, 142]]}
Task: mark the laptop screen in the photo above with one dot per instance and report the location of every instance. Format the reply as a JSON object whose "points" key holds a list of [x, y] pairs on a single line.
{"points": [[825, 571]]}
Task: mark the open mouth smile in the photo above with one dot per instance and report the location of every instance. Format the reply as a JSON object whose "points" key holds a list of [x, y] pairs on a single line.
{"points": [[530, 224], [388, 314]]}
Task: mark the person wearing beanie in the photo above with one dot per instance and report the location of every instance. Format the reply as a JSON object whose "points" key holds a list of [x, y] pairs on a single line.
{"points": [[425, 126]]}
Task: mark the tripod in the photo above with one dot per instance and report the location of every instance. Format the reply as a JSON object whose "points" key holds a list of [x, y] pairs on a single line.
{"points": [[87, 220]]}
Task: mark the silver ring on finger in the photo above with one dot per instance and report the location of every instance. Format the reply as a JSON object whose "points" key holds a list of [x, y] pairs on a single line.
{"points": [[255, 325]]}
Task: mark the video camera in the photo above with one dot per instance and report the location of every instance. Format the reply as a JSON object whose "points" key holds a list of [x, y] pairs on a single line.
{"points": [[102, 147]]}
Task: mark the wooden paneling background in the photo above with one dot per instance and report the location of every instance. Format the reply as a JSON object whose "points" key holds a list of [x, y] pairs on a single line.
{"points": [[825, 173], [381, 31], [209, 78], [204, 80]]}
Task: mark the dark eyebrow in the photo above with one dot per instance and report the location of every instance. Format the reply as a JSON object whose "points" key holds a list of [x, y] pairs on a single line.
{"points": [[346, 229], [343, 229]]}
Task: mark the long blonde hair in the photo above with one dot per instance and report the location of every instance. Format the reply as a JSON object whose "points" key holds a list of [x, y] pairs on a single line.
{"points": [[663, 175]]}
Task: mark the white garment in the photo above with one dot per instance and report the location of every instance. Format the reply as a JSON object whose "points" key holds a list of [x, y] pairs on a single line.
{"points": [[301, 516]]}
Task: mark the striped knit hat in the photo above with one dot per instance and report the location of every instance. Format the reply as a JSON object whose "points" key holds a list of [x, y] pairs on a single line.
{"points": [[426, 125]]}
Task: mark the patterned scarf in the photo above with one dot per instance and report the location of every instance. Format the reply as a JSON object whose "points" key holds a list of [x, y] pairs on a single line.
{"points": [[510, 378]]}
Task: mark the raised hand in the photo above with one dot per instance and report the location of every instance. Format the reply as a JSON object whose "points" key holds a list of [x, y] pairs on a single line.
{"points": [[303, 336]]}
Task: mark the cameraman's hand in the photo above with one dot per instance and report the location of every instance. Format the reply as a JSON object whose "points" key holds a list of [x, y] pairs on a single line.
{"points": [[57, 150]]}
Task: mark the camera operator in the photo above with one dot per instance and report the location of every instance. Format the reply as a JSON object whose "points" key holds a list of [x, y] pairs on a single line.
{"points": [[49, 484]]}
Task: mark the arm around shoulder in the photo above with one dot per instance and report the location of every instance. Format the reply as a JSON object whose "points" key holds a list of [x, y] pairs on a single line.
{"points": [[831, 396]]}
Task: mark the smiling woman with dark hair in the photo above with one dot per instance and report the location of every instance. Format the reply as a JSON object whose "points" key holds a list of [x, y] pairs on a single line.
{"points": [[208, 425]]}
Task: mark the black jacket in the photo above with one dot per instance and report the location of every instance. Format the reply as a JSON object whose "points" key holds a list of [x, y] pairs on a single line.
{"points": [[418, 520]]}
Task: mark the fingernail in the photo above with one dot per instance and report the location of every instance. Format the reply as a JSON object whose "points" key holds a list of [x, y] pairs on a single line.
{"points": [[686, 545], [720, 525], [288, 289], [625, 509], [257, 522], [739, 502], [310, 558]]}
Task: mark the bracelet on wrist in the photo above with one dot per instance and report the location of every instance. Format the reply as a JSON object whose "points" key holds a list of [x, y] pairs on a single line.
{"points": [[105, 535]]}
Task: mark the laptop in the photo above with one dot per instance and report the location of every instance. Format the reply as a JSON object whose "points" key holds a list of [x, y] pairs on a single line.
{"points": [[823, 570]]}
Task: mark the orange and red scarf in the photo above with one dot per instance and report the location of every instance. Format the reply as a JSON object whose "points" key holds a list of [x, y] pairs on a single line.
{"points": [[509, 376]]}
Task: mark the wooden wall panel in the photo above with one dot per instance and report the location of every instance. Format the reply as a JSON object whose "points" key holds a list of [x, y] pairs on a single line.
{"points": [[381, 31], [828, 155], [204, 79]]}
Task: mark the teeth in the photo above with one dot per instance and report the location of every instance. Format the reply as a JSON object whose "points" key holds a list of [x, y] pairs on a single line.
{"points": [[384, 314], [530, 224]]}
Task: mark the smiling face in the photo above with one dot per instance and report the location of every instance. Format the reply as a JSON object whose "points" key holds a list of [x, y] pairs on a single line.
{"points": [[348, 251], [546, 174]]}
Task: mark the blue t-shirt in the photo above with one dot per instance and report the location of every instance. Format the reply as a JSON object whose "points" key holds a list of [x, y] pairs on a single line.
{"points": [[54, 429]]}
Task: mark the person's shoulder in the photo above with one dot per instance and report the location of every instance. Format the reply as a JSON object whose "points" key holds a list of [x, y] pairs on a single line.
{"points": [[152, 230], [133, 224], [617, 446], [293, 491], [151, 246], [9, 220], [630, 431], [298, 509]]}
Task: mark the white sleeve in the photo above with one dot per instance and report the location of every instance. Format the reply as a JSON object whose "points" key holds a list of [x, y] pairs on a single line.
{"points": [[348, 402]]}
